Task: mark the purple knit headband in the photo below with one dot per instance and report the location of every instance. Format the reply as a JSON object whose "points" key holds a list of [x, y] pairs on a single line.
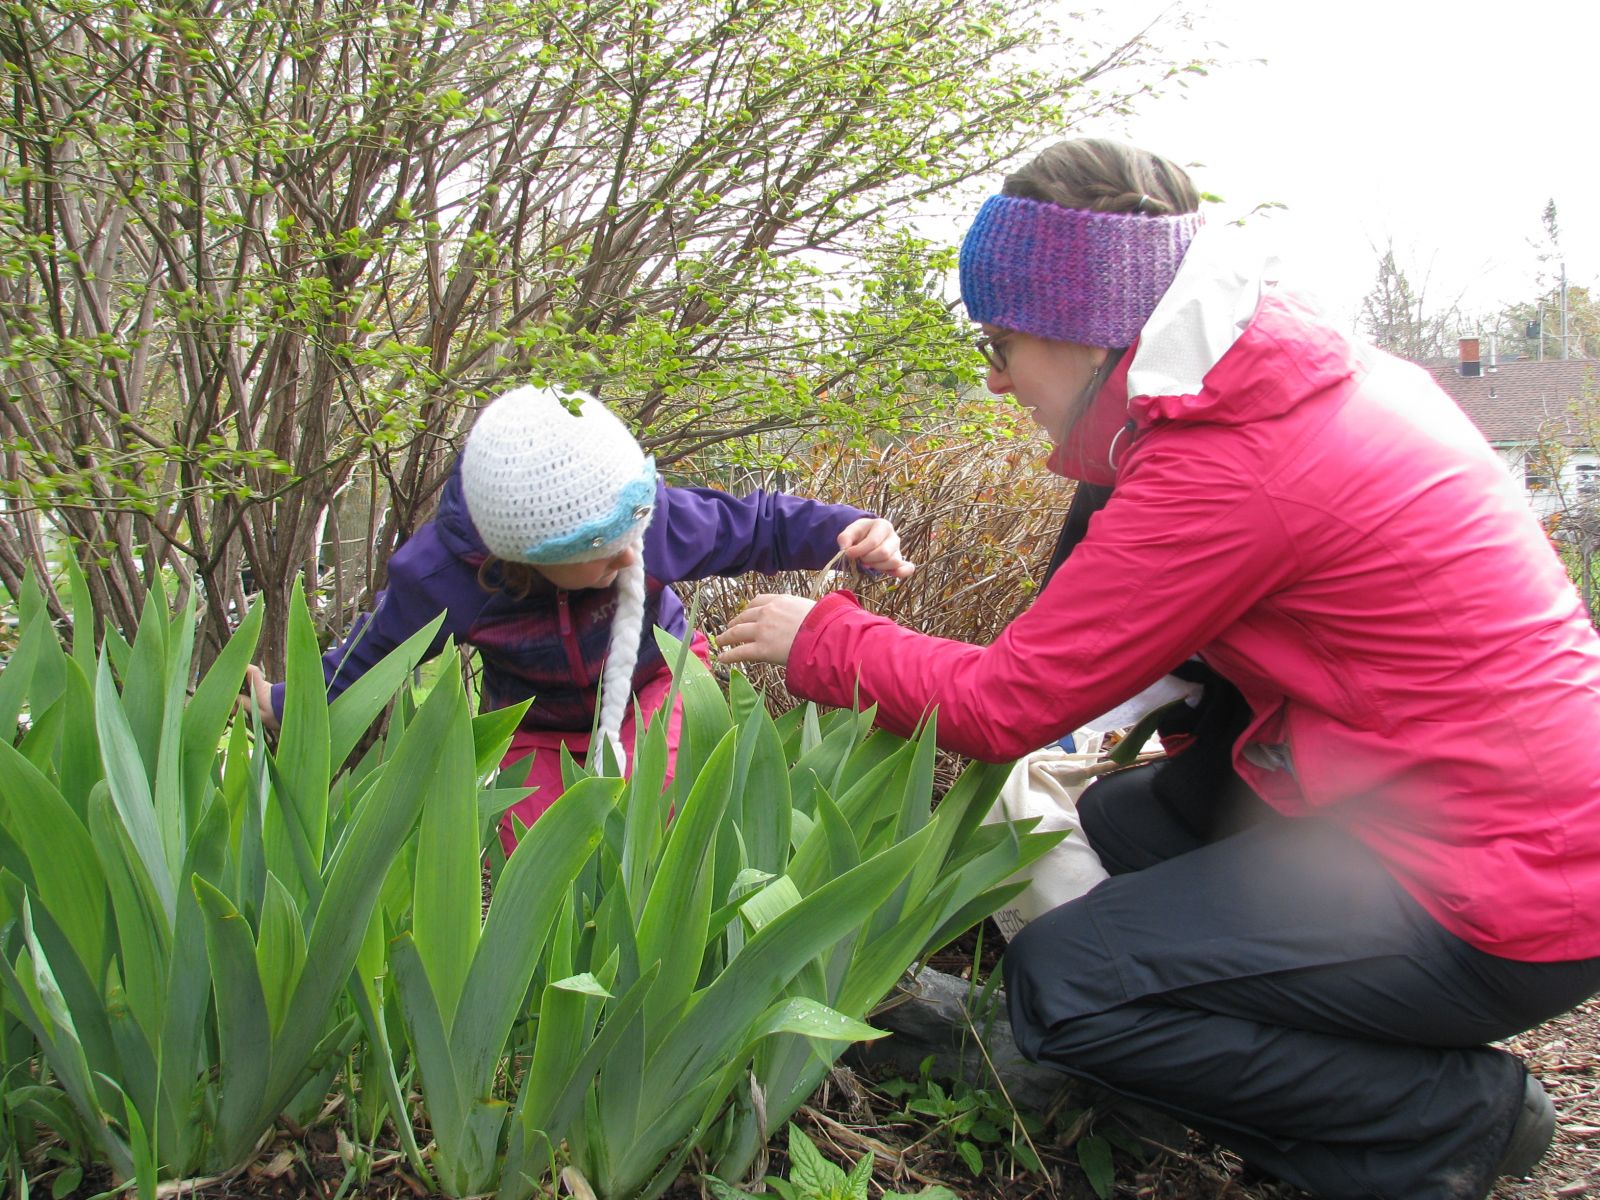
{"points": [[1069, 274]]}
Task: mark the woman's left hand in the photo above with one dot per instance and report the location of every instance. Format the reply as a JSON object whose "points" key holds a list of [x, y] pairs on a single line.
{"points": [[764, 630]]}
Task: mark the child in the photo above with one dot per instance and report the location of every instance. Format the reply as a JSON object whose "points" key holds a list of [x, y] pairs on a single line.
{"points": [[551, 553]]}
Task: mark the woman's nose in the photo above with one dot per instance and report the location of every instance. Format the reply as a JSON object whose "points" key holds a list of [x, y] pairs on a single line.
{"points": [[998, 382], [624, 558]]}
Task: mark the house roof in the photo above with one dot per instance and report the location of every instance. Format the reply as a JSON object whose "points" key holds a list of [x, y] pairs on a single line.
{"points": [[1523, 401]]}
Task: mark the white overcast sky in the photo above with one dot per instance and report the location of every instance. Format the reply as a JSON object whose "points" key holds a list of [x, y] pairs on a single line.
{"points": [[1445, 126]]}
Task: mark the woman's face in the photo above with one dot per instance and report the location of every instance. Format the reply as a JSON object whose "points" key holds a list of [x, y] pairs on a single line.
{"points": [[596, 573], [1047, 378]]}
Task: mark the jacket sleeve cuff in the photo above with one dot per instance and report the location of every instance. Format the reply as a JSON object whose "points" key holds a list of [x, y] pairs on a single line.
{"points": [[806, 675]]}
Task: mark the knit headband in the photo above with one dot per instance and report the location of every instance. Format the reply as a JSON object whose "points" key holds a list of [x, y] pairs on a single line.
{"points": [[1069, 274]]}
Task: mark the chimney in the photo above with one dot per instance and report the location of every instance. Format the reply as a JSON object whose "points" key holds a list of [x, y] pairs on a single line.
{"points": [[1470, 366]]}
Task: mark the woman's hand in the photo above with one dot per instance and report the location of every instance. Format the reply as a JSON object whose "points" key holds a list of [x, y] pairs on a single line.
{"points": [[872, 542], [257, 698], [765, 629]]}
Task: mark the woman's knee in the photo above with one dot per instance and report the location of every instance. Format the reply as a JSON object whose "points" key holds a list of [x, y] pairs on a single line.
{"points": [[1042, 968], [1128, 825]]}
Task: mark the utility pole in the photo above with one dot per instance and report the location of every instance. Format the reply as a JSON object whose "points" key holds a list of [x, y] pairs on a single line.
{"points": [[1564, 353]]}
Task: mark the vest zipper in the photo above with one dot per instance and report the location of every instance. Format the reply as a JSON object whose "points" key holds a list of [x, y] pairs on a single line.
{"points": [[580, 676]]}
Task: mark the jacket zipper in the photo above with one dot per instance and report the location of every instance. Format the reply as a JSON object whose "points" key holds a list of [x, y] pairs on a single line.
{"points": [[580, 675]]}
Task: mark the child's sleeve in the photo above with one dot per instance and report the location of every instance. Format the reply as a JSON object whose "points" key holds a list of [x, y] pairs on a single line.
{"points": [[697, 532], [425, 579]]}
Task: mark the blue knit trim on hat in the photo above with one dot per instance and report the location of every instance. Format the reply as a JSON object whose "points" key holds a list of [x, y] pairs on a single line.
{"points": [[635, 502], [1069, 274]]}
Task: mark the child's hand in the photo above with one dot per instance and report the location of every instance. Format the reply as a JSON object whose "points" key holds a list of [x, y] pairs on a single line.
{"points": [[257, 698], [872, 542], [764, 630]]}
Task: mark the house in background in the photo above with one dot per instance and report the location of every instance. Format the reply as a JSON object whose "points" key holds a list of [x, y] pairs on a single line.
{"points": [[1543, 418]]}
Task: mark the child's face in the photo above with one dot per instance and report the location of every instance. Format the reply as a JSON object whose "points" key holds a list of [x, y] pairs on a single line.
{"points": [[595, 573]]}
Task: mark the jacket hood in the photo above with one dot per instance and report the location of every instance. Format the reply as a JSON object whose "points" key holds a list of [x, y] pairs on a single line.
{"points": [[1227, 345], [455, 526]]}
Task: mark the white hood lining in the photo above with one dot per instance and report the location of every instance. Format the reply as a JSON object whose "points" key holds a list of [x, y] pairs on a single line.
{"points": [[1213, 298]]}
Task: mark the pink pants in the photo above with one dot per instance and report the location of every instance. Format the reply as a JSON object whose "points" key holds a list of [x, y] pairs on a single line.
{"points": [[544, 772]]}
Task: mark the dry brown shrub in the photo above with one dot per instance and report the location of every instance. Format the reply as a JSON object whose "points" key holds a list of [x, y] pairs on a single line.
{"points": [[979, 517]]}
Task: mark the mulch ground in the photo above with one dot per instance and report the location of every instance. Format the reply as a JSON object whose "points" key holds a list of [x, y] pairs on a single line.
{"points": [[848, 1119]]}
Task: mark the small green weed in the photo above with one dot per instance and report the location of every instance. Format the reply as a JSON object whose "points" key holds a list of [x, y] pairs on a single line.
{"points": [[968, 1121], [813, 1177], [1092, 1135]]}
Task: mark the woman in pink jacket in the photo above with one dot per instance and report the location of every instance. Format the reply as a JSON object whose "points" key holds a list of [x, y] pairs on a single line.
{"points": [[1305, 952]]}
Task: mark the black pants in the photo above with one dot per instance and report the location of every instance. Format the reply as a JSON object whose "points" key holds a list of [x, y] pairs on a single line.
{"points": [[1268, 983]]}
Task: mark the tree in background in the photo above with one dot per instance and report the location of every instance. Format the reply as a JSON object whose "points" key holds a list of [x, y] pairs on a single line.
{"points": [[260, 261], [1396, 315], [1532, 329], [1562, 320], [1564, 454]]}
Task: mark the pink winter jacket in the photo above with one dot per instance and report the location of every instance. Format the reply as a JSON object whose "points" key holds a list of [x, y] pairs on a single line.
{"points": [[1323, 526]]}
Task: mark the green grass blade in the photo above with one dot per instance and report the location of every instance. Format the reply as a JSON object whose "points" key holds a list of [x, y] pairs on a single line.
{"points": [[724, 1011], [529, 896], [829, 849], [130, 789], [705, 712], [80, 764], [144, 929], [304, 756], [442, 1088], [43, 1008], [83, 641], [645, 818], [673, 925], [280, 951], [209, 711], [492, 733], [176, 811], [244, 1034], [761, 786], [379, 1058], [917, 798], [185, 1044], [352, 714], [558, 1104], [963, 807], [60, 852], [447, 896], [17, 680], [144, 681], [356, 876]]}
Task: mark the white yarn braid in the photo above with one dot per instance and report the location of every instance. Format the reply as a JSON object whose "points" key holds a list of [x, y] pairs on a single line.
{"points": [[616, 682]]}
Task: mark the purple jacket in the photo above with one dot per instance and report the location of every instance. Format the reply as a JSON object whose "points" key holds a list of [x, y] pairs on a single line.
{"points": [[550, 644]]}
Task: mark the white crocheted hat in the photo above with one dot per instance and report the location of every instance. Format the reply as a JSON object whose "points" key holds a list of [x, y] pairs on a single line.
{"points": [[544, 485]]}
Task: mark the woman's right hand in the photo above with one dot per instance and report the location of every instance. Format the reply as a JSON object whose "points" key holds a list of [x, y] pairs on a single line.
{"points": [[257, 698], [764, 630]]}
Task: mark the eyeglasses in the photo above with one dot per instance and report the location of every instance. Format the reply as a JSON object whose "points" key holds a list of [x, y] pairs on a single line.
{"points": [[993, 351]]}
